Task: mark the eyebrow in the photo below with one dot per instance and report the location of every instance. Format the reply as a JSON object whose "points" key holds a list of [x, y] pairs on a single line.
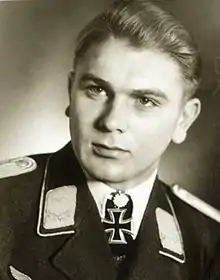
{"points": [[154, 92], [90, 77]]}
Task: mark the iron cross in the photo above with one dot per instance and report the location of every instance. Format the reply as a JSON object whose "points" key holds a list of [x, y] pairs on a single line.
{"points": [[117, 226]]}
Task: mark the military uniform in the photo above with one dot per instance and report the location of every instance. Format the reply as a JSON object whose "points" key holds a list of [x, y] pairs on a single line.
{"points": [[214, 271], [51, 228]]}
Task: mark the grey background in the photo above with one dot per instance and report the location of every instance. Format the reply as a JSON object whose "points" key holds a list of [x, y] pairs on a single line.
{"points": [[36, 47]]}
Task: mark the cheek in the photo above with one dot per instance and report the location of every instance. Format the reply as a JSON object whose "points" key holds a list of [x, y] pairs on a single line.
{"points": [[83, 115], [155, 133], [83, 109]]}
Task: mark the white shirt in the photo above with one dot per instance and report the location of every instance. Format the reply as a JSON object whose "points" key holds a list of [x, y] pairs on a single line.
{"points": [[140, 196]]}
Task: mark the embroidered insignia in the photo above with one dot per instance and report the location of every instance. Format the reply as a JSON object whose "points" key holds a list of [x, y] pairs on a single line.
{"points": [[17, 166], [17, 274], [196, 203], [118, 226], [60, 207], [170, 235]]}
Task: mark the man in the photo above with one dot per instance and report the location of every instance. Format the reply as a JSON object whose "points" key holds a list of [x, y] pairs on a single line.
{"points": [[96, 209]]}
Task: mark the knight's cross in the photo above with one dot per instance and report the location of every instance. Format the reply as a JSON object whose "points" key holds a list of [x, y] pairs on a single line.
{"points": [[117, 227]]}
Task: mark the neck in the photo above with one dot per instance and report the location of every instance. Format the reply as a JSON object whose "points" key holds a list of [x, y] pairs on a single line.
{"points": [[133, 182]]}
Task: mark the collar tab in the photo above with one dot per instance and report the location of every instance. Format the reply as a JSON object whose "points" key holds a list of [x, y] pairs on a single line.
{"points": [[170, 236], [57, 209]]}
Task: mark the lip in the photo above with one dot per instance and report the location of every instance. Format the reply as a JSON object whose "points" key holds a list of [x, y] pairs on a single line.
{"points": [[106, 151]]}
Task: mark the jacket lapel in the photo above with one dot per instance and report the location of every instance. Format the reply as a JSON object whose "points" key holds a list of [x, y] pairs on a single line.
{"points": [[160, 250], [69, 241], [85, 254]]}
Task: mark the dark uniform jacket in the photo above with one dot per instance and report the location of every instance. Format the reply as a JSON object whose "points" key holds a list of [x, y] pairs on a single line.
{"points": [[50, 228], [214, 271]]}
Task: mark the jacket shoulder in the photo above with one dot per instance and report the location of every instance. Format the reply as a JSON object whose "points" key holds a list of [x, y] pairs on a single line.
{"points": [[17, 166], [21, 165], [20, 186], [20, 181], [194, 202], [196, 215]]}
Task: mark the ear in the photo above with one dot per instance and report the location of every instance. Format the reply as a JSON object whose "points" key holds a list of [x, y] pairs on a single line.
{"points": [[190, 112], [71, 78], [67, 111]]}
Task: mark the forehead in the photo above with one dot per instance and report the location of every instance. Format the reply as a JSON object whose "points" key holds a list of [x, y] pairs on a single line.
{"points": [[125, 67]]}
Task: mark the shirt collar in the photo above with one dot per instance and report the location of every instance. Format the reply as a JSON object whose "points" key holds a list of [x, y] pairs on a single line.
{"points": [[140, 196]]}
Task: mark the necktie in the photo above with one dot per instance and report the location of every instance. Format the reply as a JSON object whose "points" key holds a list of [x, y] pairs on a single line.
{"points": [[118, 224]]}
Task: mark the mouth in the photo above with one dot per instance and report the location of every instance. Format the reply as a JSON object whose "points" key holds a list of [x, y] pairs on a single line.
{"points": [[113, 152]]}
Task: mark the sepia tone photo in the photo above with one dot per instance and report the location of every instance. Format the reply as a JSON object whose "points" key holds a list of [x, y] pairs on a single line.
{"points": [[109, 130]]}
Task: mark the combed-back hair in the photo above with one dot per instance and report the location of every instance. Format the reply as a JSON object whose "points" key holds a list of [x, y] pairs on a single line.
{"points": [[145, 25]]}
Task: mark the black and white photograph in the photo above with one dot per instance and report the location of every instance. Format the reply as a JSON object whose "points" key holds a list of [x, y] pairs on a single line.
{"points": [[109, 140]]}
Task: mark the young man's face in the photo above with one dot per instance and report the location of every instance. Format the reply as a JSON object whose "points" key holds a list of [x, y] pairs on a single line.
{"points": [[126, 105]]}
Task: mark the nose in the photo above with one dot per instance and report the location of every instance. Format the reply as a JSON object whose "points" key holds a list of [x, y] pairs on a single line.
{"points": [[114, 117]]}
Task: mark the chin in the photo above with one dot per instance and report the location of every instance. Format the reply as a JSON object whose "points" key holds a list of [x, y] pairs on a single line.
{"points": [[108, 175]]}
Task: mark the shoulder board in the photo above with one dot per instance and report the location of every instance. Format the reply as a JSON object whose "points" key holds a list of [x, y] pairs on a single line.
{"points": [[196, 203], [16, 166]]}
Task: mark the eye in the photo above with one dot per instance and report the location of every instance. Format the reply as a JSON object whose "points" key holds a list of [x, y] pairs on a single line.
{"points": [[146, 101], [95, 90]]}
